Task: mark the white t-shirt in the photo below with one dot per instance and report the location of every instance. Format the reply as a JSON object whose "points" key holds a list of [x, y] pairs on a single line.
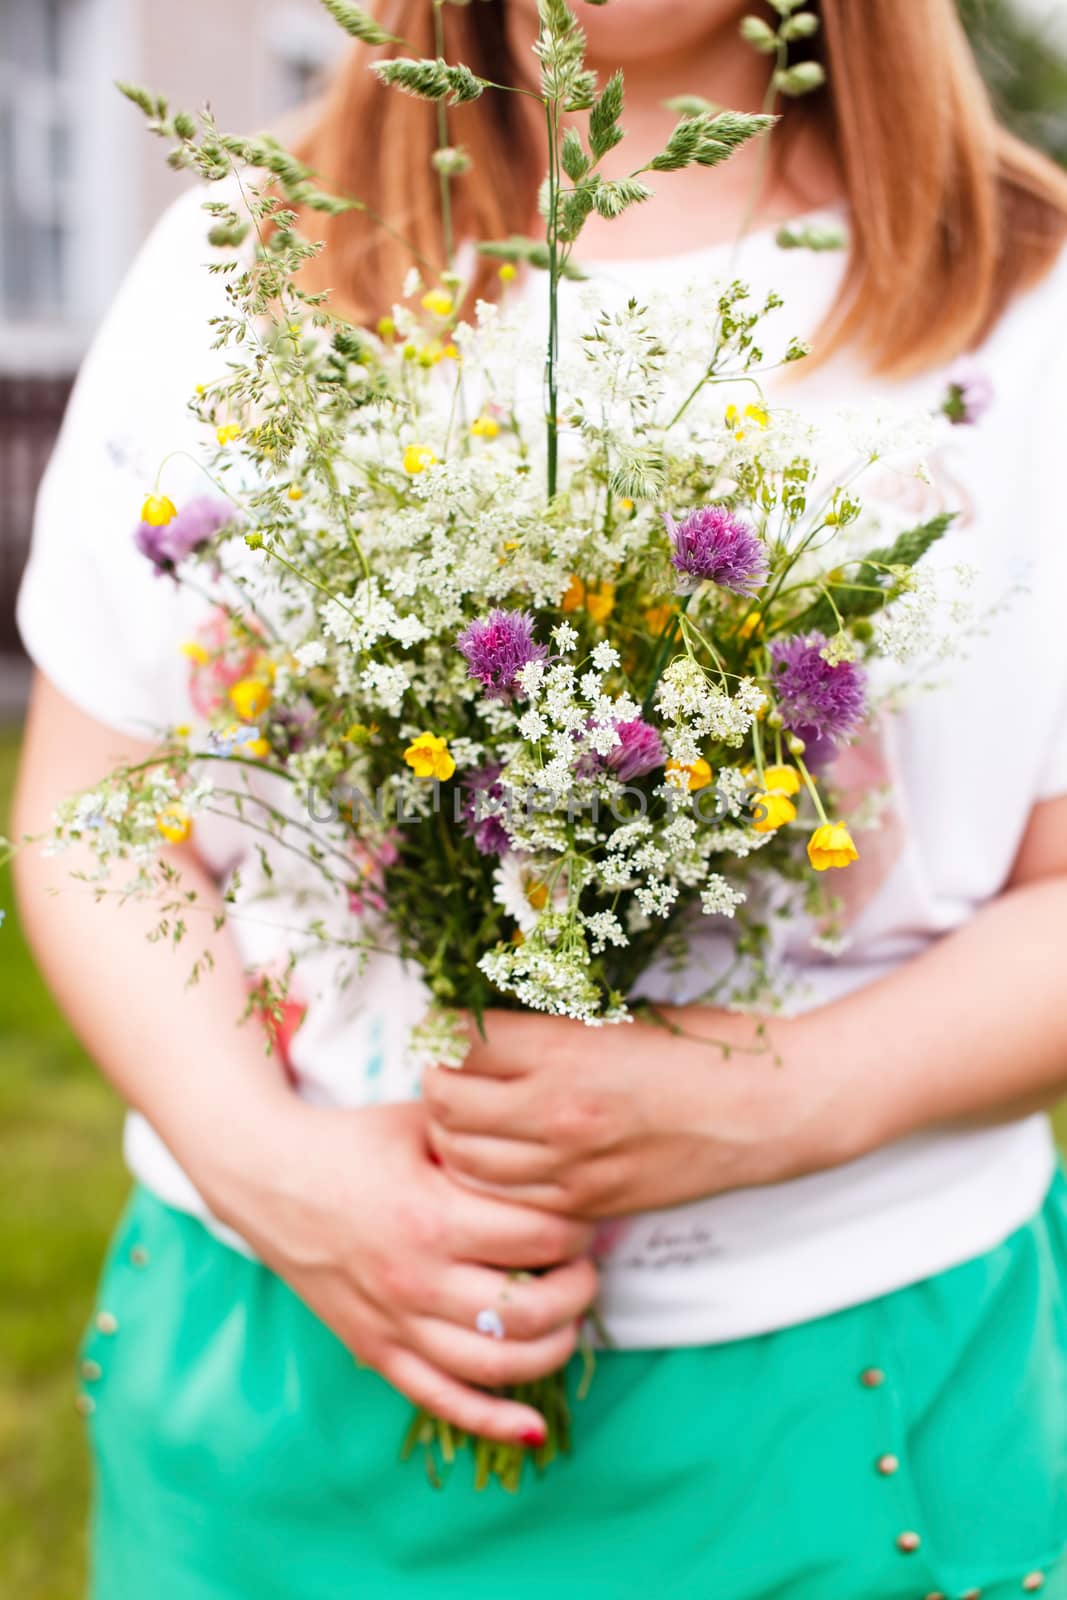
{"points": [[966, 761]]}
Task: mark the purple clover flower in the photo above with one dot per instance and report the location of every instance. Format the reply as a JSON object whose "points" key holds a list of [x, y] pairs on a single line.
{"points": [[970, 394], [481, 812], [711, 544], [640, 750], [819, 700], [197, 522], [497, 650]]}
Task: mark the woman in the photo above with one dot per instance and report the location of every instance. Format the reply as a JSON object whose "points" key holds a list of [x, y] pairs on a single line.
{"points": [[833, 1272]]}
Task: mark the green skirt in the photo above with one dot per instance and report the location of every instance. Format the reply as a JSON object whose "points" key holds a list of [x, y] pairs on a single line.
{"points": [[909, 1448]]}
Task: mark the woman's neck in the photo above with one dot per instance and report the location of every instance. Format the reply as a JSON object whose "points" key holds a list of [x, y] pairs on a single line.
{"points": [[694, 208]]}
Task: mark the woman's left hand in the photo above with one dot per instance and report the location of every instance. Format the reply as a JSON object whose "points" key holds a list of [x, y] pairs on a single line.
{"points": [[603, 1122]]}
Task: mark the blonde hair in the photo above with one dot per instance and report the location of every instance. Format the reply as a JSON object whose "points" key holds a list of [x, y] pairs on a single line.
{"points": [[950, 215]]}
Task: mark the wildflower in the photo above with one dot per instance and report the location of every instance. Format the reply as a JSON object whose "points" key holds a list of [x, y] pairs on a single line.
{"points": [[697, 774], [638, 752], [508, 272], [485, 427], [970, 394], [782, 779], [158, 510], [175, 824], [772, 811], [657, 617], [228, 433], [751, 413], [257, 747], [600, 602], [386, 328], [753, 623], [711, 544], [194, 651], [250, 698], [831, 846], [481, 812], [597, 600], [437, 302], [168, 542], [417, 457], [817, 698], [295, 492], [573, 595], [498, 649], [427, 756]]}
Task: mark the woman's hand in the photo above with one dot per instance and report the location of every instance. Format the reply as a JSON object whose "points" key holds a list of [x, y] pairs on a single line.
{"points": [[603, 1122], [398, 1260]]}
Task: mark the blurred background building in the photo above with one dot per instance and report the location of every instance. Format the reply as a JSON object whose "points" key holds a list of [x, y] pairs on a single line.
{"points": [[66, 237]]}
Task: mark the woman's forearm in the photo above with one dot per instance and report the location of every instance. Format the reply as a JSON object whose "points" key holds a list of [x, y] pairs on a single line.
{"points": [[173, 1051], [974, 1029]]}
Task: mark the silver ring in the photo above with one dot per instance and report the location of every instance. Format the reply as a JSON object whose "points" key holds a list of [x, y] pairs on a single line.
{"points": [[490, 1323]]}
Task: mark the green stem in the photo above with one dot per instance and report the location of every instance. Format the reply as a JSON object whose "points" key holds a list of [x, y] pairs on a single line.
{"points": [[442, 143], [552, 239]]}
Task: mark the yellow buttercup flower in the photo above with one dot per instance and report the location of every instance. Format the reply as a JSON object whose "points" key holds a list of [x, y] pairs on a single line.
{"points": [[250, 698], [697, 774], [158, 510], [195, 651], [574, 596], [600, 602], [751, 413], [752, 623], [773, 810], [658, 617], [485, 427], [260, 748], [508, 272], [228, 433], [427, 756], [831, 846], [437, 302], [417, 457], [175, 824], [783, 779]]}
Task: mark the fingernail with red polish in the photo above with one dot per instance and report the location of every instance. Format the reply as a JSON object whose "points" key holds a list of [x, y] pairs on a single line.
{"points": [[534, 1437]]}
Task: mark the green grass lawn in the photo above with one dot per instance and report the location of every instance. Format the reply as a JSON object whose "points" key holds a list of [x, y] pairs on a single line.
{"points": [[61, 1187]]}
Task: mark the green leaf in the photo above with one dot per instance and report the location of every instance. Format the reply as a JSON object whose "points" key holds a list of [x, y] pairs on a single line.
{"points": [[803, 78], [430, 79], [759, 34], [800, 26], [907, 549], [808, 236], [532, 252], [612, 199], [359, 23], [604, 130], [572, 156], [691, 105]]}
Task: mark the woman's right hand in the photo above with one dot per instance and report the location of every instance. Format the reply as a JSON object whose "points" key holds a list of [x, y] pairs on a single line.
{"points": [[348, 1207]]}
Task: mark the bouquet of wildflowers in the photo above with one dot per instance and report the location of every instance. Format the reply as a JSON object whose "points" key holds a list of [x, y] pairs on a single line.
{"points": [[568, 625]]}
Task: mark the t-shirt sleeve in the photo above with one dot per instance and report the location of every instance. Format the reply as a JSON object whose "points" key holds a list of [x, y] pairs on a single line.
{"points": [[94, 616]]}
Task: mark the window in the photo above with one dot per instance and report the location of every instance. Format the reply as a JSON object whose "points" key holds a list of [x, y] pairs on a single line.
{"points": [[37, 106]]}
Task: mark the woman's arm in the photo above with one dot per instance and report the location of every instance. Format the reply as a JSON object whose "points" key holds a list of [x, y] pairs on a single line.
{"points": [[629, 1119], [347, 1206]]}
